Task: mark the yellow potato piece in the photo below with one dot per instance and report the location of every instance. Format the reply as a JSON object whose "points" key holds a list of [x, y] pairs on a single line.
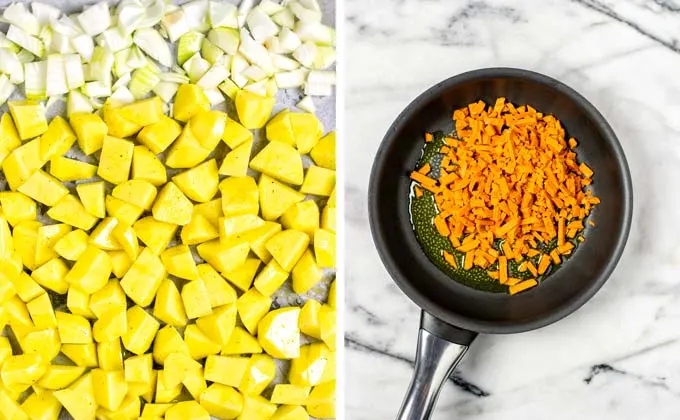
{"points": [[187, 151], [290, 412], [303, 216], [160, 135], [199, 183], [92, 270], [84, 355], [41, 312], [147, 167], [235, 163], [279, 334], [323, 153], [308, 369], [318, 181], [199, 230], [41, 404], [212, 210], [29, 118], [125, 212], [78, 303], [306, 273], [226, 370], [332, 295], [60, 376], [22, 162], [321, 401], [259, 375], [208, 127], [102, 235], [224, 256], [239, 196], [287, 247], [327, 326], [144, 112], [9, 138], [117, 125], [92, 196], [78, 399], [324, 248], [256, 407], [280, 129], [71, 211], [164, 394], [309, 319], [17, 207], [328, 217], [141, 330], [110, 388], [189, 101], [168, 306], [270, 279], [179, 262], [172, 206], [48, 236], [138, 192], [72, 245], [290, 394], [252, 307], [218, 325], [253, 110], [22, 370], [280, 161], [168, 341], [57, 140], [222, 401], [91, 131], [143, 279], [243, 276], [138, 369], [241, 342], [199, 344], [196, 299], [115, 161], [155, 234], [43, 188], [73, 329], [235, 134], [276, 198], [67, 170], [307, 130], [177, 368], [219, 291], [234, 227]]}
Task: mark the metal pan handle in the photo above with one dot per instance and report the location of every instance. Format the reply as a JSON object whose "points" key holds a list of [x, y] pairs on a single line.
{"points": [[440, 348]]}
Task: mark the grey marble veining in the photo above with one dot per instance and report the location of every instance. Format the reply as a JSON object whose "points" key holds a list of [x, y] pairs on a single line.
{"points": [[619, 356]]}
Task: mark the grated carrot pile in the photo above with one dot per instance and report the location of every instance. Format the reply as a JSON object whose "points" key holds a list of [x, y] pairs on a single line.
{"points": [[510, 179]]}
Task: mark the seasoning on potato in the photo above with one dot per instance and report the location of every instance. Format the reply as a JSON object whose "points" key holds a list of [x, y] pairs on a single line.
{"points": [[201, 256], [509, 194]]}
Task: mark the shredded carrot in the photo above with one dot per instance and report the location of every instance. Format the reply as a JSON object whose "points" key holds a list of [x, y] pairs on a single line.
{"points": [[450, 259], [520, 287], [419, 192], [493, 274], [508, 183], [429, 137]]}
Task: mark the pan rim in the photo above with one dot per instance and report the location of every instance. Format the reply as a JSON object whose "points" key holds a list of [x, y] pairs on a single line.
{"points": [[445, 314]]}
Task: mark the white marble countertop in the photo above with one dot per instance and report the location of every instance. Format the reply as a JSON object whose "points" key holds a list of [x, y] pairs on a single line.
{"points": [[619, 356]]}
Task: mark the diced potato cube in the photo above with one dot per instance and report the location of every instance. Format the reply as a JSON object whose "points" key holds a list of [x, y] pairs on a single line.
{"points": [[256, 407], [309, 319], [252, 307], [186, 152], [160, 135], [41, 312], [144, 112], [155, 234], [73, 329], [90, 130], [323, 153], [57, 140], [302, 216], [60, 376], [168, 341], [224, 256], [327, 326], [220, 292], [270, 279], [259, 375], [110, 388], [17, 207], [120, 263], [139, 368], [117, 125], [179, 262], [280, 161], [9, 138], [164, 394], [276, 198], [324, 248], [84, 355], [287, 247], [141, 330], [290, 412], [177, 368], [43, 188], [78, 302], [199, 183], [71, 211], [208, 127], [226, 370], [332, 295], [29, 118], [144, 278], [307, 130], [253, 110], [189, 101], [78, 399], [92, 195], [110, 326], [72, 245], [241, 342], [187, 410], [67, 170], [172, 206], [147, 167], [280, 129], [27, 288], [110, 298], [219, 324], [102, 235], [290, 394], [235, 163], [239, 196], [310, 368], [222, 401], [138, 192], [200, 345], [48, 235], [196, 299], [92, 270], [235, 227], [110, 355], [115, 160], [199, 230], [212, 210], [306, 273], [44, 343], [235, 134], [243, 276], [168, 306], [279, 334], [52, 275], [21, 163], [127, 238], [318, 181], [328, 218], [321, 401], [125, 212]]}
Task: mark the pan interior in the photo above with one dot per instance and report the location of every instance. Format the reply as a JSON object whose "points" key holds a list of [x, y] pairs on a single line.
{"points": [[562, 292]]}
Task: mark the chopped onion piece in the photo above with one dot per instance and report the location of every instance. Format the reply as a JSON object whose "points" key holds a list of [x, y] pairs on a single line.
{"points": [[56, 75], [226, 39], [114, 39], [52, 101], [272, 87], [284, 18], [210, 51], [254, 73], [123, 80], [25, 57], [153, 44], [284, 63], [318, 90], [122, 96], [196, 67], [223, 14], [261, 25], [229, 88], [97, 89], [318, 77], [166, 90], [257, 87], [16, 14], [77, 102], [325, 58], [175, 24], [196, 14], [215, 97], [35, 78], [243, 10], [239, 80], [289, 40], [143, 81], [120, 64], [270, 7], [84, 45], [74, 71], [96, 103], [306, 53], [311, 4], [101, 64], [291, 79], [239, 64], [189, 44], [6, 43], [154, 13], [174, 78], [6, 88], [213, 77], [255, 53], [137, 59], [65, 25], [131, 13], [45, 13], [303, 13], [95, 19], [11, 66], [60, 44], [315, 32], [307, 104], [26, 41]]}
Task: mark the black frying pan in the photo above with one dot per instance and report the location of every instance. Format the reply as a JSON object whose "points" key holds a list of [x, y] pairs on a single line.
{"points": [[453, 314]]}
